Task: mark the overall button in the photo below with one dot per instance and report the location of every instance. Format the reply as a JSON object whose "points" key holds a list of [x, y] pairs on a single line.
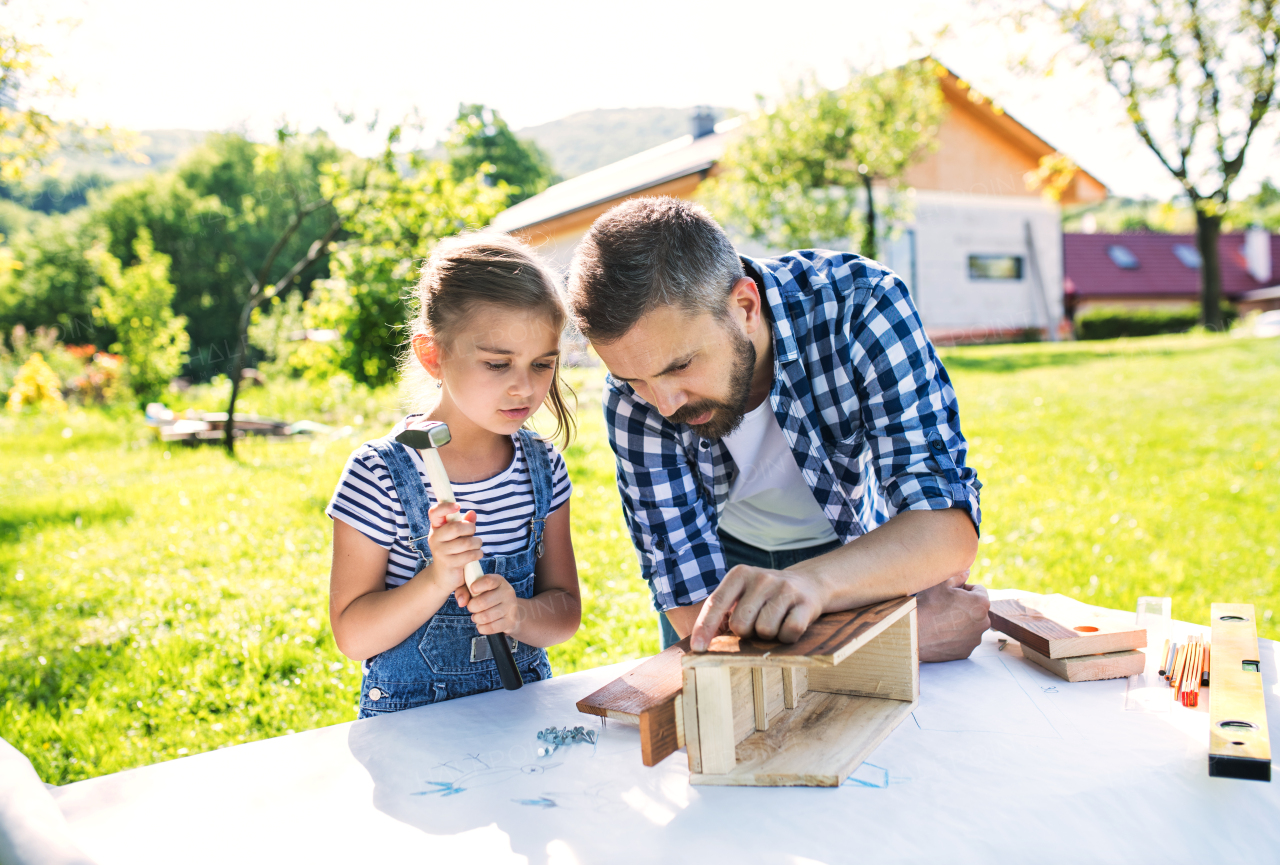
{"points": [[938, 445], [375, 694]]}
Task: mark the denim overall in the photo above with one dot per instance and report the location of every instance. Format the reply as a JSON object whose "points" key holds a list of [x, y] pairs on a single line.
{"points": [[435, 663]]}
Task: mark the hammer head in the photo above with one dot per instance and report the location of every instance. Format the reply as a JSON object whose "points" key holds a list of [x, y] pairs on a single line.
{"points": [[434, 436]]}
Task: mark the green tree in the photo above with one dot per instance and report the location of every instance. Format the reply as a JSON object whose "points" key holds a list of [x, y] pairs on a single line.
{"points": [[1197, 78], [136, 302], [481, 143], [46, 280], [804, 172], [393, 217], [219, 216], [311, 217]]}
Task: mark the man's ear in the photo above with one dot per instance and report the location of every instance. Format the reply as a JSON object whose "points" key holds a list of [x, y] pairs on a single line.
{"points": [[427, 350], [745, 304]]}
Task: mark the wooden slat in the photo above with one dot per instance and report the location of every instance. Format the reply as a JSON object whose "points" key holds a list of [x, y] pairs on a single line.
{"points": [[1060, 630], [828, 641], [1239, 743], [1090, 668], [715, 719], [795, 681], [649, 684], [743, 702], [646, 695], [689, 709], [885, 667], [817, 745]]}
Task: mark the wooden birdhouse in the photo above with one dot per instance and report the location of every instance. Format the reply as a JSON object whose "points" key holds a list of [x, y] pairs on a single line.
{"points": [[764, 714]]}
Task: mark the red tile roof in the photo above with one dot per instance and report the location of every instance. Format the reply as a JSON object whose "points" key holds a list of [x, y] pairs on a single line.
{"points": [[1089, 273]]}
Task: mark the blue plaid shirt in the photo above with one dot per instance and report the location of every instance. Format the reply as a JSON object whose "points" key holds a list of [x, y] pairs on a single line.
{"points": [[861, 398]]}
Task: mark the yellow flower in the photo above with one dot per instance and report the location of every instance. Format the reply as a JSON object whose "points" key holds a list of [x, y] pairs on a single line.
{"points": [[36, 384]]}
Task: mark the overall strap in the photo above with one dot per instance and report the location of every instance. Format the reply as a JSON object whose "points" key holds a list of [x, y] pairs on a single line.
{"points": [[535, 457], [412, 493]]}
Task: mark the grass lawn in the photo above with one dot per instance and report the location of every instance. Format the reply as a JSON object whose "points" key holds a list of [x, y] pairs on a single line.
{"points": [[157, 601]]}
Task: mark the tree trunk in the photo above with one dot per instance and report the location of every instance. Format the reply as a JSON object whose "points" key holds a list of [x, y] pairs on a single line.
{"points": [[869, 238], [1208, 228], [237, 367]]}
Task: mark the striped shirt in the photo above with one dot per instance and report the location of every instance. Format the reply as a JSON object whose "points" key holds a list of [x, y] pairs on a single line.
{"points": [[366, 499]]}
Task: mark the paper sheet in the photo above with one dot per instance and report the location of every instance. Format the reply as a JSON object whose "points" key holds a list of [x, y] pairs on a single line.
{"points": [[1001, 762]]}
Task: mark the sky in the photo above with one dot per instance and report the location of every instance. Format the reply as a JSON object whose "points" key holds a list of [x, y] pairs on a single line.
{"points": [[247, 65]]}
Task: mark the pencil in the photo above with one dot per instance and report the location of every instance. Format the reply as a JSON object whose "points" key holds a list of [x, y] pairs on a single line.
{"points": [[1164, 657], [1168, 661], [1191, 680], [1179, 661], [1204, 675]]}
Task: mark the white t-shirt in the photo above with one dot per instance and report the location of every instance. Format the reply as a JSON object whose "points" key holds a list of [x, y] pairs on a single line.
{"points": [[366, 499], [770, 506]]}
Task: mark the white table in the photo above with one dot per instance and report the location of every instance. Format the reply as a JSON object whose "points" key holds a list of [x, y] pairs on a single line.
{"points": [[1001, 762]]}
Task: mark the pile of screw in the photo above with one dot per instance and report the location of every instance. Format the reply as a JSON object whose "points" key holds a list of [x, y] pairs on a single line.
{"points": [[557, 736]]}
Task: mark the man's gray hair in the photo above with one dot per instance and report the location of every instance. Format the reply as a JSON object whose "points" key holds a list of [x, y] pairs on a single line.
{"points": [[646, 253]]}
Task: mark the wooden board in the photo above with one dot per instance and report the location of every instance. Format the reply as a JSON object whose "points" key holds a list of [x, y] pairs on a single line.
{"points": [[1239, 743], [827, 642], [817, 745], [795, 681], [1057, 628], [714, 691], [887, 666], [646, 695], [1090, 668]]}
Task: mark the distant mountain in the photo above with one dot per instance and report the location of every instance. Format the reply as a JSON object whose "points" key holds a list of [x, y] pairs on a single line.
{"points": [[164, 147], [590, 139]]}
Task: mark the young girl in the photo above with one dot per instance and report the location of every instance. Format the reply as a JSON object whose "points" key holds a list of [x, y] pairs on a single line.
{"points": [[488, 333]]}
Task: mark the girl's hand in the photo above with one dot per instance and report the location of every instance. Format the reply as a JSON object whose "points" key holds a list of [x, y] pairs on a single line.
{"points": [[453, 544], [493, 604]]}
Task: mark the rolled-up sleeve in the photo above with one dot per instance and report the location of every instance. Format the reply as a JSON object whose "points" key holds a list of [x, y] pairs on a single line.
{"points": [[908, 407], [672, 525]]}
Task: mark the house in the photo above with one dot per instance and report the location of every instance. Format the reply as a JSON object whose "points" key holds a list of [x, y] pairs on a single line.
{"points": [[981, 254], [1146, 270]]}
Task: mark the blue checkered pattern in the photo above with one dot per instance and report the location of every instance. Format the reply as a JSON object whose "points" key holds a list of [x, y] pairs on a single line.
{"points": [[861, 397]]}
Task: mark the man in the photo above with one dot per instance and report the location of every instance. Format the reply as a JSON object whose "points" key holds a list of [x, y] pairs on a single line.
{"points": [[788, 443]]}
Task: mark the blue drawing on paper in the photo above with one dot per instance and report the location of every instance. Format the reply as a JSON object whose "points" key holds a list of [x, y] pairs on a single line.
{"points": [[868, 775]]}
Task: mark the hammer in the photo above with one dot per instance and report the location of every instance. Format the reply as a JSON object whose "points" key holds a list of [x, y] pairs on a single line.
{"points": [[428, 441]]}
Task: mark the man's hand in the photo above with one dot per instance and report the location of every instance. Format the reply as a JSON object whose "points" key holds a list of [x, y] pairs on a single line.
{"points": [[773, 605], [951, 616]]}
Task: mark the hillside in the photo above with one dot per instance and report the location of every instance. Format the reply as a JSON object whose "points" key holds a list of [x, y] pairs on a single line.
{"points": [[164, 147], [589, 139]]}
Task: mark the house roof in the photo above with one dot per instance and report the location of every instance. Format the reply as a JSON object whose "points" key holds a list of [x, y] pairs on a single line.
{"points": [[1090, 272], [678, 158]]}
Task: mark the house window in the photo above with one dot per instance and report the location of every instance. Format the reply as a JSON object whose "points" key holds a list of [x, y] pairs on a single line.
{"points": [[995, 267], [1122, 257], [1188, 255]]}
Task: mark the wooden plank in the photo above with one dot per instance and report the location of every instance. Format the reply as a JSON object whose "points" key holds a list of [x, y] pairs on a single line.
{"points": [[647, 685], [716, 740], [885, 667], [1239, 743], [817, 745], [795, 681], [761, 700], [680, 720], [828, 641], [646, 695], [658, 734], [1090, 668], [1058, 629], [689, 709], [766, 688], [743, 702]]}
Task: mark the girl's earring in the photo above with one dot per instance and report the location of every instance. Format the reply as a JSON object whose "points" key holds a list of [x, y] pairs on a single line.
{"points": [[439, 383]]}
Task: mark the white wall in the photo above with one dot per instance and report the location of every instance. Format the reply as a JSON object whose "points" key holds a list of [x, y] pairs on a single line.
{"points": [[948, 228]]}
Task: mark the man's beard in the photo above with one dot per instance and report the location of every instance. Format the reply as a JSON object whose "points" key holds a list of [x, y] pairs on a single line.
{"points": [[727, 413]]}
